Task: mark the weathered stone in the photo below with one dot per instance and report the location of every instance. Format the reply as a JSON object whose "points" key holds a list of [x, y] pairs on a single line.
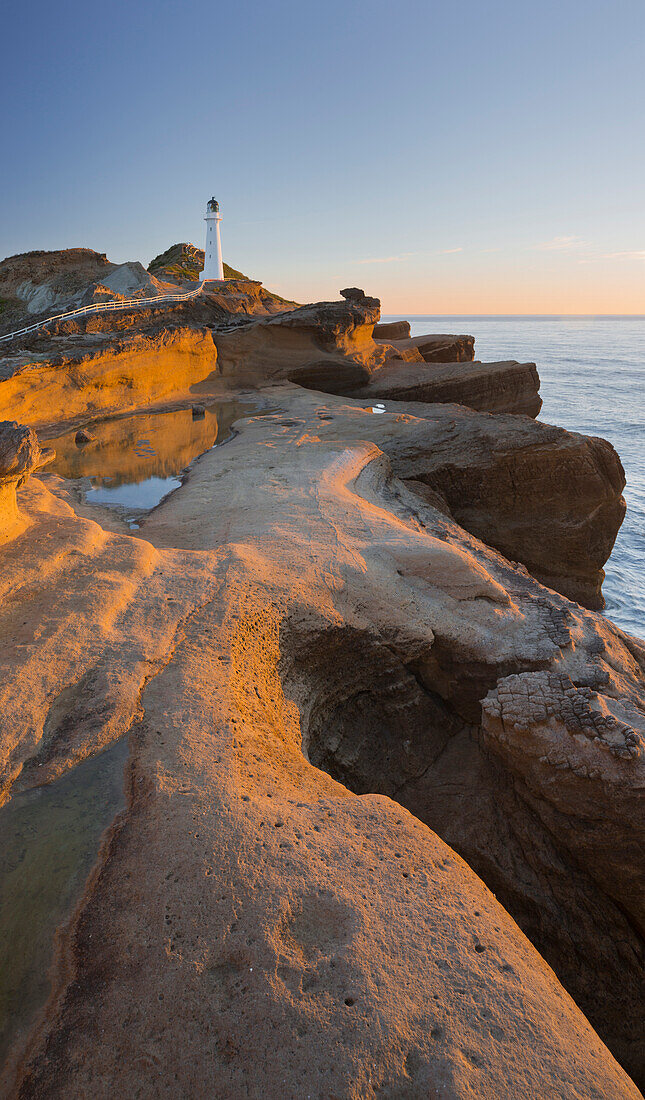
{"points": [[294, 604], [543, 496], [439, 348], [296, 345], [392, 330], [20, 454], [487, 387]]}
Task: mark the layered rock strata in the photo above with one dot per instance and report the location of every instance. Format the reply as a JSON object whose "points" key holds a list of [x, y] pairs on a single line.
{"points": [[117, 361], [93, 376], [327, 346], [488, 387], [434, 348], [392, 330], [249, 915]]}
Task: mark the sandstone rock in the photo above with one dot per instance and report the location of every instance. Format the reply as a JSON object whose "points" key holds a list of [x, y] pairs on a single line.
{"points": [[90, 377], [199, 411], [248, 914], [392, 330], [543, 496], [41, 284], [487, 387], [98, 292], [82, 436], [50, 282], [440, 349], [20, 454], [354, 294], [65, 272], [405, 355], [299, 344], [436, 349]]}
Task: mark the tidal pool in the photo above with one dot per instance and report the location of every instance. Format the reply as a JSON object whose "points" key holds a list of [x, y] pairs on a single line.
{"points": [[133, 462], [49, 842]]}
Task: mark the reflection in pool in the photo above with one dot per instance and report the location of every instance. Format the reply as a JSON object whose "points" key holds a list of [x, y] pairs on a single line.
{"points": [[143, 495], [133, 462]]}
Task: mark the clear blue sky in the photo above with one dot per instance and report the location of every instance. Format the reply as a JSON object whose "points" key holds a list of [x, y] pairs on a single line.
{"points": [[462, 156]]}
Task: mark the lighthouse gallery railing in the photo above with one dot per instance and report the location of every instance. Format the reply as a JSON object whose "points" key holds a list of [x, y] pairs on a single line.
{"points": [[103, 307]]}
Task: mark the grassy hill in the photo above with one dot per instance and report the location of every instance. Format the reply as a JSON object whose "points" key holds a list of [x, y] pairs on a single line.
{"points": [[183, 263]]}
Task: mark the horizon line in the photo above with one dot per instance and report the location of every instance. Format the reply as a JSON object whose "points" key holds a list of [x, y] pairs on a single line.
{"points": [[541, 316]]}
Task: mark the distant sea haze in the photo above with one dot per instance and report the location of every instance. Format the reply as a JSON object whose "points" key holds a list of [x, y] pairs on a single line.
{"points": [[592, 372]]}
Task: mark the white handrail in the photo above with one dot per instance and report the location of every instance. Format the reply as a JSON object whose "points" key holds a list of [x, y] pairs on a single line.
{"points": [[101, 307]]}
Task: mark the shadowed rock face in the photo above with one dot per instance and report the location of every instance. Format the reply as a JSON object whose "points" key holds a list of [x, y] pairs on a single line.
{"points": [[487, 387], [392, 330], [295, 604], [434, 348], [538, 792]]}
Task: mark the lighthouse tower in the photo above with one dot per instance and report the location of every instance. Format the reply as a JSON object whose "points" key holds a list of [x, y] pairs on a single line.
{"points": [[213, 266]]}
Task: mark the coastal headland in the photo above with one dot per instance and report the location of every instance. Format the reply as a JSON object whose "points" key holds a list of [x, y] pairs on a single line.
{"points": [[323, 779]]}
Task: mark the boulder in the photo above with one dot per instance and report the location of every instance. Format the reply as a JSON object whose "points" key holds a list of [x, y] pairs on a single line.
{"points": [[353, 294]]}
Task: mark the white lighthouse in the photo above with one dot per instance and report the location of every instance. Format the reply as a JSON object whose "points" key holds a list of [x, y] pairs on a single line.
{"points": [[213, 266]]}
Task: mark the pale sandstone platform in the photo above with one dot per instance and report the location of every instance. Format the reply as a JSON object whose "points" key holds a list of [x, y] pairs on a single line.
{"points": [[252, 926]]}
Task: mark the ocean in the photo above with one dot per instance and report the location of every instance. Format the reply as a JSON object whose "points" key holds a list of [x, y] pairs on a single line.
{"points": [[592, 372]]}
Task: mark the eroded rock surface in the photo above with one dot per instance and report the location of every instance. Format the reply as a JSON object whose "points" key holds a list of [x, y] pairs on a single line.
{"points": [[487, 387], [20, 455], [545, 497], [35, 285], [293, 605], [117, 361], [435, 348], [326, 346], [392, 330]]}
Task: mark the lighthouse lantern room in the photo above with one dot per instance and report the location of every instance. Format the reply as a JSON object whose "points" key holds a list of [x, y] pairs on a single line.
{"points": [[213, 266]]}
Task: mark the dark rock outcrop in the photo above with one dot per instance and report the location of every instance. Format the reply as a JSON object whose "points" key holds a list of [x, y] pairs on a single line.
{"points": [[392, 330], [486, 387], [436, 348]]}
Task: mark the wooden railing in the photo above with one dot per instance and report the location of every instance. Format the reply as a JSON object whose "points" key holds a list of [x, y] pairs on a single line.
{"points": [[103, 307]]}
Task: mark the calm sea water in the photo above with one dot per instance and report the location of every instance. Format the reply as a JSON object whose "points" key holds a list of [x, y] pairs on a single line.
{"points": [[592, 372]]}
